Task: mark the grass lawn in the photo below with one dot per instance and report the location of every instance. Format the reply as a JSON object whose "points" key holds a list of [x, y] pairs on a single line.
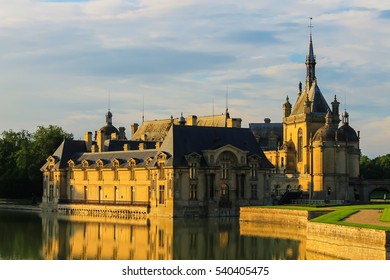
{"points": [[342, 212]]}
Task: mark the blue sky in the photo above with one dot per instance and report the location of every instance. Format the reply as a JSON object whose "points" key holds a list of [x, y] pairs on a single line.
{"points": [[60, 60]]}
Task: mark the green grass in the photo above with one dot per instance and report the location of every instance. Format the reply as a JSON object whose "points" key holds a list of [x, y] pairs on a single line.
{"points": [[386, 215], [342, 212]]}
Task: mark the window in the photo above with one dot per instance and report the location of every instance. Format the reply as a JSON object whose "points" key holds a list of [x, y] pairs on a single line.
{"points": [[132, 194], [225, 170], [193, 192], [193, 166], [161, 171], [132, 174], [85, 193], [254, 191], [116, 175], [100, 175], [51, 173], [282, 162], [253, 170], [115, 193], [51, 192], [161, 199], [71, 173], [85, 175], [300, 145]]}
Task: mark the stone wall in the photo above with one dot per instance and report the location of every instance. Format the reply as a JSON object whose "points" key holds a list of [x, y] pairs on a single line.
{"points": [[321, 241], [327, 241], [277, 216]]}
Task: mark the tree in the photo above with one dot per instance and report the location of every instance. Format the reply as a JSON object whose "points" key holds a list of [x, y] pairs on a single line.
{"points": [[21, 156], [377, 168]]}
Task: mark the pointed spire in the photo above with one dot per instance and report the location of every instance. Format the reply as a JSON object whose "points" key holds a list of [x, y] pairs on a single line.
{"points": [[310, 61]]}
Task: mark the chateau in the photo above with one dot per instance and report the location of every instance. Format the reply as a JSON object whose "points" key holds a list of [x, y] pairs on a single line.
{"points": [[180, 168], [310, 151], [209, 166]]}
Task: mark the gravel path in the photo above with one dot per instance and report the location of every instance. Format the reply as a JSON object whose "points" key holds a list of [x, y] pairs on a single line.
{"points": [[367, 217]]}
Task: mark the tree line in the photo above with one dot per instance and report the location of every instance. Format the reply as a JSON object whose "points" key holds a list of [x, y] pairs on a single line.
{"points": [[22, 154], [377, 168]]}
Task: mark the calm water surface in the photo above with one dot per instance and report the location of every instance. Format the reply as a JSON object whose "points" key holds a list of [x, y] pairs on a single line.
{"points": [[50, 236]]}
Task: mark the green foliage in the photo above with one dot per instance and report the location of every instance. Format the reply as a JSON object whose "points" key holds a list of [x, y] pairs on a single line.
{"points": [[377, 168], [21, 156]]}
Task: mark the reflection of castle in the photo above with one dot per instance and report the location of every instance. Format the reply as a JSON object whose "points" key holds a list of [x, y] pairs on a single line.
{"points": [[206, 166], [315, 155], [89, 238]]}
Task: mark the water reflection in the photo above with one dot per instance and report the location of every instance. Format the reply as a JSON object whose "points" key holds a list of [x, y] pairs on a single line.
{"points": [[69, 237], [48, 236]]}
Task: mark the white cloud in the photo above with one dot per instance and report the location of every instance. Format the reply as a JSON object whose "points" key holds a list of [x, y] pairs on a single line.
{"points": [[59, 60]]}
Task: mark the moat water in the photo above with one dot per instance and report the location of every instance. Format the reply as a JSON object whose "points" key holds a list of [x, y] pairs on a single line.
{"points": [[44, 236]]}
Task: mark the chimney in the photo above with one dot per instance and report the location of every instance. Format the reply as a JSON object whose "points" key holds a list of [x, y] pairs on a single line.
{"points": [[100, 140], [88, 140], [192, 120], [134, 128], [94, 148], [122, 134], [234, 122]]}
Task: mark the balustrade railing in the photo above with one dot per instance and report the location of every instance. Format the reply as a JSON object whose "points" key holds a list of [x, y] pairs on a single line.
{"points": [[104, 202]]}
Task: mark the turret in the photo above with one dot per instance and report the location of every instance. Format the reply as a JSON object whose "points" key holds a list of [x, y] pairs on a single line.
{"points": [[335, 111], [287, 108]]}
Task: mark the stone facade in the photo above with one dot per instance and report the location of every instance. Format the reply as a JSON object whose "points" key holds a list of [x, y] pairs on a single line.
{"points": [[194, 171], [316, 155]]}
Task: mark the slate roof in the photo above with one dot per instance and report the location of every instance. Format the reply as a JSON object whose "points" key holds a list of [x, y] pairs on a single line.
{"points": [[122, 156], [183, 140], [318, 102], [117, 145], [263, 131], [66, 151]]}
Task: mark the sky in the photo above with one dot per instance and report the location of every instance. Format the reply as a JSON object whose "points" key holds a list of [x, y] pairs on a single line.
{"points": [[66, 62]]}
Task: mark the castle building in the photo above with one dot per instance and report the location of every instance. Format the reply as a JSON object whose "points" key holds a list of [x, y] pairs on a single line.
{"points": [[177, 168], [317, 156]]}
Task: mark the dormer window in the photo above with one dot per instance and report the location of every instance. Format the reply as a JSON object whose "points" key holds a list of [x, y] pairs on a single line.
{"points": [[193, 167]]}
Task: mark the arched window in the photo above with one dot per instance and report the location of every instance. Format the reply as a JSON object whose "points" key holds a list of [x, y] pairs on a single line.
{"points": [[300, 145]]}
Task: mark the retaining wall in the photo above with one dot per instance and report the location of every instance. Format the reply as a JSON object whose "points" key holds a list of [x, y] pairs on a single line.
{"points": [[324, 241]]}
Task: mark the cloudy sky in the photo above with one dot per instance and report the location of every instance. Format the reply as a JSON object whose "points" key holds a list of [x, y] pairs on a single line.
{"points": [[61, 60]]}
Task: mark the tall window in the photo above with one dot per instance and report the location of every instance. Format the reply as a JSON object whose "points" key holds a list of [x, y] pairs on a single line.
{"points": [[132, 194], [132, 173], [254, 191], [225, 170], [161, 171], [193, 192], [193, 170], [253, 170], [161, 199], [100, 175], [300, 145], [85, 175]]}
